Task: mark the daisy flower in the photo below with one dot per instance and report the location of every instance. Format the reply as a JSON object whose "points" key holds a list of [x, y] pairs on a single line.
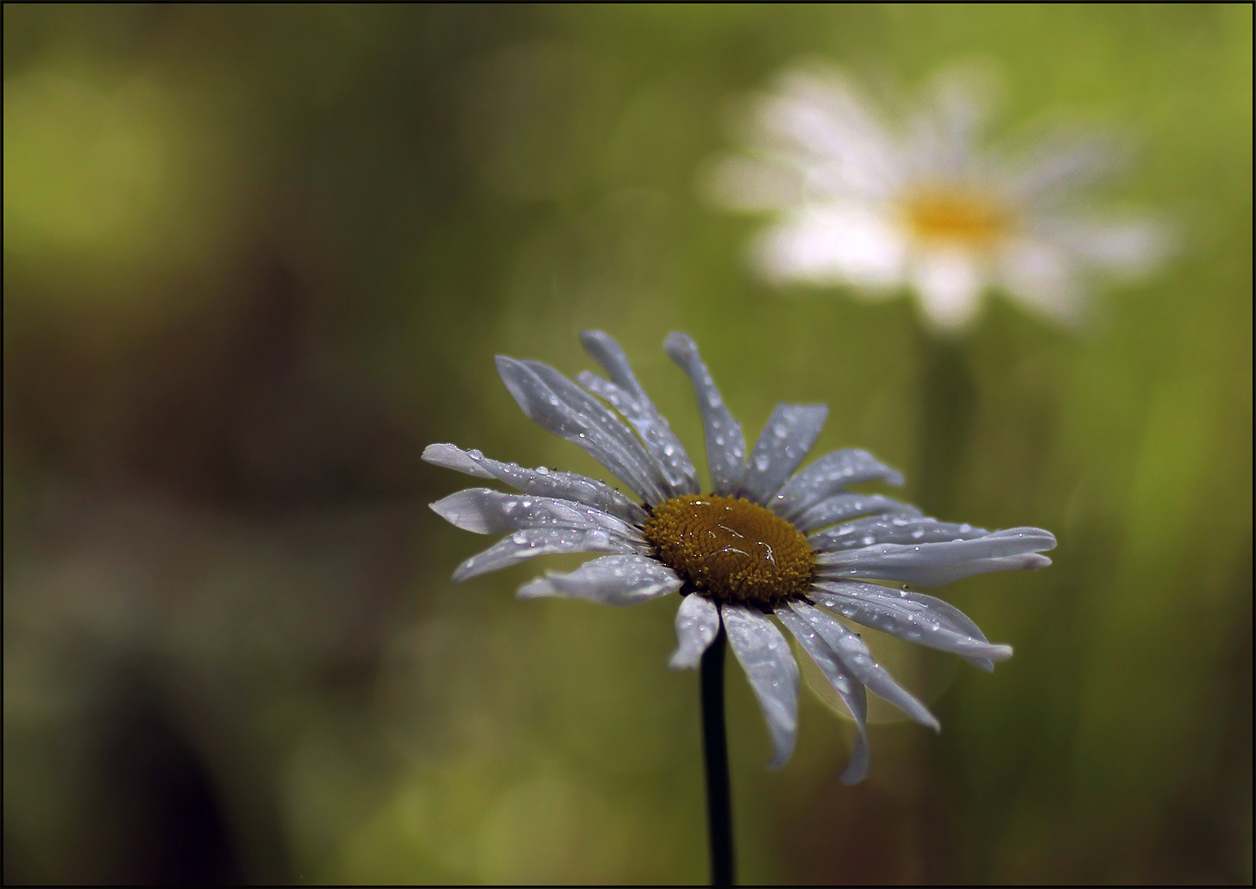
{"points": [[881, 205], [763, 541]]}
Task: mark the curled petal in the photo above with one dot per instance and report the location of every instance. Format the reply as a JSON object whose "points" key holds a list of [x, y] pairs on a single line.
{"points": [[542, 482], [769, 664], [784, 442], [856, 658], [610, 580], [850, 689], [661, 443], [906, 616], [540, 542], [697, 624], [726, 446], [563, 408]]}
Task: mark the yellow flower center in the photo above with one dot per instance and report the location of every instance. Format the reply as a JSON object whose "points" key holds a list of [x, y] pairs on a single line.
{"points": [[956, 216], [730, 549]]}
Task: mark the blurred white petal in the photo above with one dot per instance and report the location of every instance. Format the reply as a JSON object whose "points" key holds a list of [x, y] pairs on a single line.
{"points": [[1126, 248], [835, 244], [1041, 277], [950, 282]]}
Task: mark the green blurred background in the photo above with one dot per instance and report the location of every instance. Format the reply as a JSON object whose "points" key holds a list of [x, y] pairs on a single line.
{"points": [[256, 258]]}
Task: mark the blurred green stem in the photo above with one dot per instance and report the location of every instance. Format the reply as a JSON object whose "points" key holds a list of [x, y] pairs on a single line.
{"points": [[715, 750], [947, 396]]}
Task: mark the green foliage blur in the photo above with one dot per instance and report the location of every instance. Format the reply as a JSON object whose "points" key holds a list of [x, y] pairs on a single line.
{"points": [[255, 258]]}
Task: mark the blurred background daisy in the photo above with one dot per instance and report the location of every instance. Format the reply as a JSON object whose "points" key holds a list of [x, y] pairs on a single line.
{"points": [[923, 197], [255, 257]]}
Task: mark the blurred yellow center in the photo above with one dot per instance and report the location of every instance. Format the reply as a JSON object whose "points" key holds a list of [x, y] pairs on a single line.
{"points": [[730, 549], [949, 215]]}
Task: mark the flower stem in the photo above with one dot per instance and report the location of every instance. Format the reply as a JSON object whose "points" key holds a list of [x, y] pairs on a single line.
{"points": [[948, 402], [947, 399], [715, 750]]}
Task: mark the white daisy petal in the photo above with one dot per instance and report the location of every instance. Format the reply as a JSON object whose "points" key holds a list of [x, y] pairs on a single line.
{"points": [[589, 408], [855, 656], [769, 664], [841, 243], [827, 476], [659, 439], [664, 448], [841, 507], [893, 529], [726, 447], [485, 511], [1126, 248], [932, 564], [850, 689], [1062, 163], [950, 282], [951, 617], [788, 436], [890, 612], [563, 408], [533, 542], [956, 106], [823, 117], [1044, 279], [697, 625], [610, 580], [542, 482]]}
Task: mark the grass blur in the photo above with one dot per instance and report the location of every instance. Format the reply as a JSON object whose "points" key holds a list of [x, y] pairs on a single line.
{"points": [[256, 257]]}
